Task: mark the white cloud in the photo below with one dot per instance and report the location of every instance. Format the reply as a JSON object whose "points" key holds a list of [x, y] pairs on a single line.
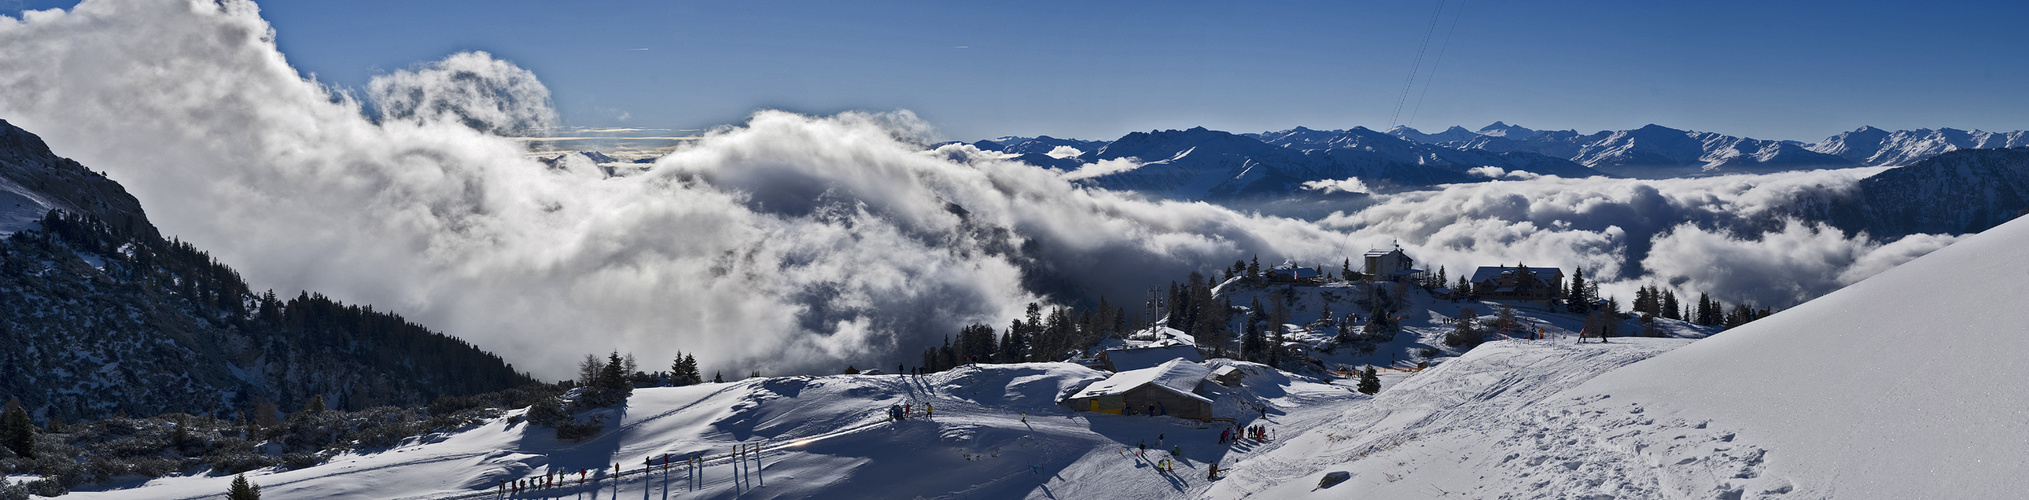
{"points": [[1103, 168], [471, 88], [1061, 152], [1693, 234], [1329, 186]]}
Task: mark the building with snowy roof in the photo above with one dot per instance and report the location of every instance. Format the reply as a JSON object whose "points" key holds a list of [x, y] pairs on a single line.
{"points": [[1226, 375], [1517, 283], [1171, 388], [1389, 265], [1135, 358], [1304, 275]]}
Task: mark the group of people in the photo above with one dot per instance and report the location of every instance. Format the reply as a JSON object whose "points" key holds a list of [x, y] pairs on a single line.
{"points": [[1233, 435], [549, 479], [901, 411]]}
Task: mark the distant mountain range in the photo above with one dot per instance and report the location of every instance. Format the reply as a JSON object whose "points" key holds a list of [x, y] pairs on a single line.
{"points": [[1209, 165]]}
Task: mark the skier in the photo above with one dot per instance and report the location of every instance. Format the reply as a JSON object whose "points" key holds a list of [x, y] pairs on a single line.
{"points": [[1035, 470], [581, 476], [1143, 452], [1222, 435], [929, 411], [1025, 417], [1158, 440], [1213, 473]]}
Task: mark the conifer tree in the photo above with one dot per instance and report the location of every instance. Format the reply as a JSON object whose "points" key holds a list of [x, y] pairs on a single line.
{"points": [[719, 377], [1464, 329], [1670, 305], [243, 489], [17, 432], [683, 371], [1370, 382], [1577, 301]]}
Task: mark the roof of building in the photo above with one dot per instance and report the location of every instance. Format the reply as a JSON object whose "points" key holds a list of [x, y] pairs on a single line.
{"points": [[1177, 375], [1135, 358], [1384, 251], [1490, 272], [1224, 371]]}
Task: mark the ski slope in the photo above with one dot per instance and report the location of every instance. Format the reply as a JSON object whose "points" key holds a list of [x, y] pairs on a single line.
{"points": [[1906, 385]]}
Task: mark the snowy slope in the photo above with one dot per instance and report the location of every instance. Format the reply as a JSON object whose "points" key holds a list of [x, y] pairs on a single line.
{"points": [[1902, 386], [827, 437], [1432, 423]]}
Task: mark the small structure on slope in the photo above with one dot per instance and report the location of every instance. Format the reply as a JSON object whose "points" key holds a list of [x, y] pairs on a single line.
{"points": [[1517, 283], [1298, 275], [1171, 387], [1227, 376]]}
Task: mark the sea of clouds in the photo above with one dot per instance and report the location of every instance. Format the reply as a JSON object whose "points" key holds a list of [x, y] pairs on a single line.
{"points": [[785, 244]]}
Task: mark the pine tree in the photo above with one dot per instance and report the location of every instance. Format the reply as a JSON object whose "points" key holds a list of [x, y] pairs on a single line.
{"points": [[1254, 268], [850, 370], [1707, 310], [1577, 301], [1370, 382], [719, 377], [315, 406], [612, 375], [243, 489], [17, 432], [1670, 305], [1464, 329], [683, 371]]}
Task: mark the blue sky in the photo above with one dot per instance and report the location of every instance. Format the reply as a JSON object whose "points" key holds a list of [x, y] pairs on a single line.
{"points": [[1773, 70]]}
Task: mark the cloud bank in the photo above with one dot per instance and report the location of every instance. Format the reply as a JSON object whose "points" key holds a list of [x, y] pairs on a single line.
{"points": [[786, 244], [1729, 236]]}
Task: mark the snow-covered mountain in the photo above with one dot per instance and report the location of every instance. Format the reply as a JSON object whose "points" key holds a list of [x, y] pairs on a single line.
{"points": [[1957, 192], [1201, 164], [1455, 133], [34, 181], [1900, 386], [1658, 151], [1873, 146], [99, 314]]}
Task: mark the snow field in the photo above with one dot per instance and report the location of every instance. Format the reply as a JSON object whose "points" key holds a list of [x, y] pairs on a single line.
{"points": [[826, 437]]}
